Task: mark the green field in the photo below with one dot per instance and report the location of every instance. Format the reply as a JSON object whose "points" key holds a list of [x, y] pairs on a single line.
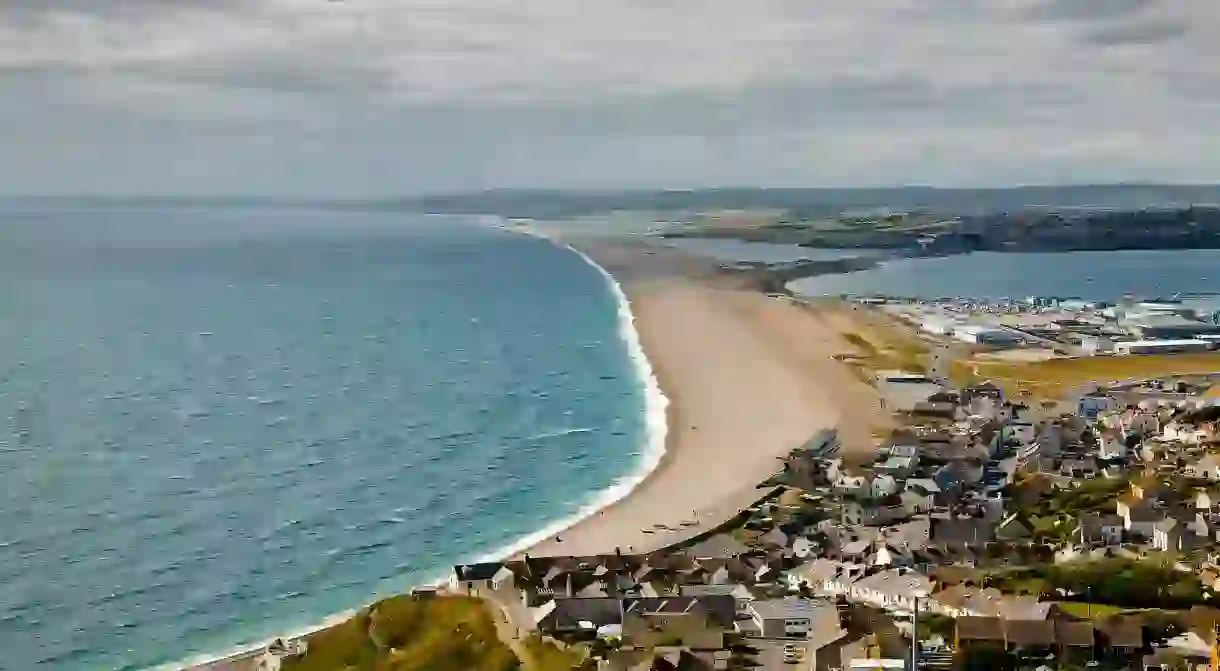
{"points": [[1054, 378]]}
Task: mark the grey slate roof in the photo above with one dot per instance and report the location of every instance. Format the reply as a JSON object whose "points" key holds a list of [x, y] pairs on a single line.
{"points": [[480, 571], [783, 609]]}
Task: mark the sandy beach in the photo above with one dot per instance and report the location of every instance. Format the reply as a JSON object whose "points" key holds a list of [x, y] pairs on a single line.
{"points": [[748, 378]]}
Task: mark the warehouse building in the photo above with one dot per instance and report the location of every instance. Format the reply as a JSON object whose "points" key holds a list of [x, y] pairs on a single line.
{"points": [[1161, 346]]}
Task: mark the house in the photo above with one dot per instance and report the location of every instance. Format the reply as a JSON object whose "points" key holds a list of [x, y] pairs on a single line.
{"points": [[1122, 636], [775, 538], [1023, 635], [1112, 445], [923, 486], [1094, 403], [1166, 535], [935, 410], [1097, 528], [474, 579], [1207, 466], [892, 589], [958, 474], [742, 596], [965, 600], [987, 389], [1021, 432], [905, 450], [1184, 432], [961, 530], [503, 579], [699, 622], [572, 615], [898, 467], [1139, 516], [914, 502], [791, 617], [273, 656]]}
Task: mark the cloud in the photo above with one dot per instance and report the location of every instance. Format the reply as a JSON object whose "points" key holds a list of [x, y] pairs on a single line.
{"points": [[1152, 32], [389, 96], [1087, 10]]}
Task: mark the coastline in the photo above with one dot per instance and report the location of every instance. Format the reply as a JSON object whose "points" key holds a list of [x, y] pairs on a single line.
{"points": [[678, 474], [748, 378], [657, 411], [652, 455]]}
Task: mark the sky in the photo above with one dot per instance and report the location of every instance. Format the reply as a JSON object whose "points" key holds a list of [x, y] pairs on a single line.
{"points": [[355, 98]]}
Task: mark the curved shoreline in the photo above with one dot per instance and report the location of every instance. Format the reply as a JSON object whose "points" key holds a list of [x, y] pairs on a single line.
{"points": [[656, 420], [650, 458]]}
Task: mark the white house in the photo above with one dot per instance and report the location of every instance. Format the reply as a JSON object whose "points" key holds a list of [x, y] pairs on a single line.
{"points": [[791, 617], [882, 486], [1208, 466], [1165, 535], [1111, 444], [473, 579], [1184, 432], [895, 589]]}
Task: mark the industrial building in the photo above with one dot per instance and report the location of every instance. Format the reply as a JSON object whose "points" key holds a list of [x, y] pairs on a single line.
{"points": [[1161, 346], [987, 335], [1167, 326]]}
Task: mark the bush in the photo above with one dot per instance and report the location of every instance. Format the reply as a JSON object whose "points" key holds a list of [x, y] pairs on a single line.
{"points": [[1114, 581]]}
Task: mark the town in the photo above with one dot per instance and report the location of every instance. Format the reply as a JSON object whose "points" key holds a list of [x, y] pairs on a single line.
{"points": [[986, 533]]}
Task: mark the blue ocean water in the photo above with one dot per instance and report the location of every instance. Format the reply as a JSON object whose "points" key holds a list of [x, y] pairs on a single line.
{"points": [[1089, 275], [218, 426]]}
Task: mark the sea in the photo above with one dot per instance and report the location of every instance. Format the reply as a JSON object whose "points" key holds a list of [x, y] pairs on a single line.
{"points": [[223, 425], [1192, 274]]}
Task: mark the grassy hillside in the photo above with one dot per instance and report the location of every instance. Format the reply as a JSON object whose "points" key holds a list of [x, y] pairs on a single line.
{"points": [[403, 634]]}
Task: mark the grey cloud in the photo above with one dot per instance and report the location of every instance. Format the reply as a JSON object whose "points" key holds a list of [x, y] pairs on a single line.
{"points": [[1087, 10], [1152, 32], [390, 96]]}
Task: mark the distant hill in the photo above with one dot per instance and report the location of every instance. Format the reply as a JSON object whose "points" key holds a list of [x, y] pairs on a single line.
{"points": [[801, 203], [540, 204]]}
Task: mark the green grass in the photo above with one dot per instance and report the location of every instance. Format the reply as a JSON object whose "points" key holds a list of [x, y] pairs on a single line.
{"points": [[1096, 495], [404, 634], [1055, 378], [546, 656], [1124, 583], [1095, 611]]}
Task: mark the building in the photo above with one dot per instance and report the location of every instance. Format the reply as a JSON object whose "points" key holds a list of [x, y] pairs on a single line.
{"points": [[792, 617], [1094, 403], [1161, 346], [987, 335], [1091, 344], [1153, 326], [895, 589], [473, 579]]}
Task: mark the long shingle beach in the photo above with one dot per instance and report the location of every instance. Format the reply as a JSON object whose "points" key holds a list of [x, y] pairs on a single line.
{"points": [[748, 378]]}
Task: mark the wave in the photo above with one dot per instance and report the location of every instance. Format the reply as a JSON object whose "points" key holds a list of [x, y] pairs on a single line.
{"points": [[656, 406], [557, 434]]}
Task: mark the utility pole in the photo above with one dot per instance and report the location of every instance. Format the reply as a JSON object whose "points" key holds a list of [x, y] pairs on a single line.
{"points": [[915, 635]]}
